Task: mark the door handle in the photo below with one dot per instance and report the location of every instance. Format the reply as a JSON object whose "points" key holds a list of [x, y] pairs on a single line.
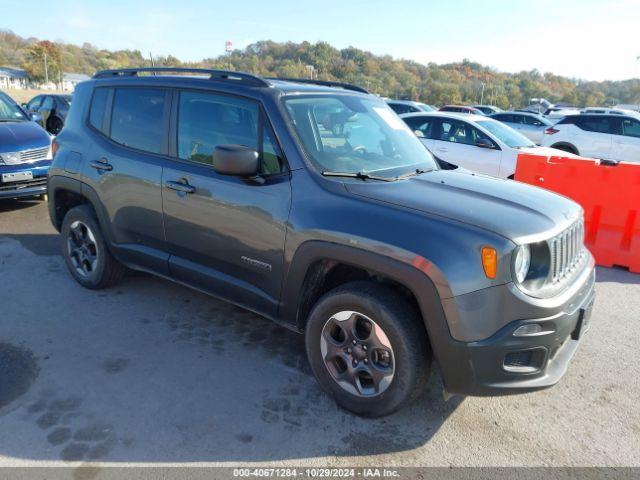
{"points": [[181, 185], [101, 164]]}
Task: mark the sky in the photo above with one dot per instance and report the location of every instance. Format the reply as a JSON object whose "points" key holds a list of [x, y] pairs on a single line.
{"points": [[587, 39]]}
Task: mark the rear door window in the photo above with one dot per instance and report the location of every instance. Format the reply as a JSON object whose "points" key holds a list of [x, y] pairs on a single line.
{"points": [[137, 118], [597, 124]]}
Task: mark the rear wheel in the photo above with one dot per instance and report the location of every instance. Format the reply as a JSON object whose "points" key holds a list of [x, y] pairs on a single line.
{"points": [[55, 126], [85, 251], [368, 348]]}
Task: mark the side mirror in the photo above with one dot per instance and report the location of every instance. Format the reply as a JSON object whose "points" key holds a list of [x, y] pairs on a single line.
{"points": [[484, 143], [418, 133], [36, 117], [236, 160]]}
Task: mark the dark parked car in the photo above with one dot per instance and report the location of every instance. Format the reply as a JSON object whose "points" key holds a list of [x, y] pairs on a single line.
{"points": [[25, 152], [409, 106], [53, 110], [313, 204], [461, 109]]}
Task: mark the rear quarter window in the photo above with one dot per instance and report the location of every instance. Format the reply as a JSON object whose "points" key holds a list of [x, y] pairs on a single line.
{"points": [[99, 108]]}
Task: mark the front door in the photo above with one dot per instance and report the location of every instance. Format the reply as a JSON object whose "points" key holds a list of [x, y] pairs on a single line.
{"points": [[225, 234]]}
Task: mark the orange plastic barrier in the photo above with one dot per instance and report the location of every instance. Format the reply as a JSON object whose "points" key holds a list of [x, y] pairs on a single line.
{"points": [[610, 196]]}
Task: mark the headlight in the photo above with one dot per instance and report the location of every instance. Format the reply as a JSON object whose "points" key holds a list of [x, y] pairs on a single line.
{"points": [[522, 262], [10, 158]]}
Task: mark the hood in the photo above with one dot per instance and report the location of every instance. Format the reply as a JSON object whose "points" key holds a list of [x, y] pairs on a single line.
{"points": [[514, 210], [17, 136]]}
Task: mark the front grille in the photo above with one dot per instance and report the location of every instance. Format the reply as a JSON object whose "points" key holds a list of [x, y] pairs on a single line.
{"points": [[567, 249], [36, 182], [34, 155]]}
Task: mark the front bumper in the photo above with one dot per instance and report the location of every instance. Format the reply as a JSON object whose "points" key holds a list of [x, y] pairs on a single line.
{"points": [[25, 188], [486, 367]]}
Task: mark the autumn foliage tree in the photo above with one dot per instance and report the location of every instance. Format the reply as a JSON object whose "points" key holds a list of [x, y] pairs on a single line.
{"points": [[44, 61]]}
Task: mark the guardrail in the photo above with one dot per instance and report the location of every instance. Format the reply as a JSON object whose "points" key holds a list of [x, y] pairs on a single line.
{"points": [[609, 194]]}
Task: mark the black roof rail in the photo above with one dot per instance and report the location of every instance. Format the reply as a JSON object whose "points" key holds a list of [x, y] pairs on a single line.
{"points": [[325, 83], [213, 74]]}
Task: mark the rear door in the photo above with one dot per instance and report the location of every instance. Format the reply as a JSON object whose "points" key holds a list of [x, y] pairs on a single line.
{"points": [[592, 135], [124, 167], [626, 147], [455, 142], [225, 234]]}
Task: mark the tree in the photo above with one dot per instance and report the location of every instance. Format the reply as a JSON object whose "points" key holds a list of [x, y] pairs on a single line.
{"points": [[44, 62]]}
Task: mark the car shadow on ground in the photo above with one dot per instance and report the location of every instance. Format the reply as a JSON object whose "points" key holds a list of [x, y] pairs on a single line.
{"points": [[617, 274], [150, 371], [9, 205]]}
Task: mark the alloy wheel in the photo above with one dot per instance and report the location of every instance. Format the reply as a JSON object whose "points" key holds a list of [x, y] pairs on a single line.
{"points": [[357, 353], [82, 248]]}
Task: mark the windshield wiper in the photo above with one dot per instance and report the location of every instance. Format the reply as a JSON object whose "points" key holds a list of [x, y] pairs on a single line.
{"points": [[360, 175], [413, 173]]}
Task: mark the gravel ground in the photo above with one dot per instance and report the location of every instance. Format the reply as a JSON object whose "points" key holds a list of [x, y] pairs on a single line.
{"points": [[150, 372]]}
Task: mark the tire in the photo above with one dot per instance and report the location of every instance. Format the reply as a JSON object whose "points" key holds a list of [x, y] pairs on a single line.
{"points": [[85, 251], [54, 126], [359, 304]]}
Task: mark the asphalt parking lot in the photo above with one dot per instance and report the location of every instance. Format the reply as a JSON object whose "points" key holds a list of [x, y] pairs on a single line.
{"points": [[150, 372]]}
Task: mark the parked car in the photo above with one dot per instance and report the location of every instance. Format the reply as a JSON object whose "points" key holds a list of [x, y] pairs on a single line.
{"points": [[477, 143], [53, 110], [608, 137], [408, 106], [530, 125], [314, 205], [555, 114], [461, 109], [25, 152], [488, 109], [610, 111]]}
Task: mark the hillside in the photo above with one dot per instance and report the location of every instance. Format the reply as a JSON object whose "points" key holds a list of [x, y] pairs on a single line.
{"points": [[435, 84]]}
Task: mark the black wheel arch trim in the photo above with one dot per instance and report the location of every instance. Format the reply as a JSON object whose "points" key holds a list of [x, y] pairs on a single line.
{"points": [[448, 352], [568, 145]]}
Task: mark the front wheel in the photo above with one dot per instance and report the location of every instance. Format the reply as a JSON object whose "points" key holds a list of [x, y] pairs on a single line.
{"points": [[368, 348]]}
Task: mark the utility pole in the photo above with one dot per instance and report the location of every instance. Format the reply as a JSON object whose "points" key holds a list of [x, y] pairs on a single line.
{"points": [[153, 65], [482, 95], [228, 48], [46, 69]]}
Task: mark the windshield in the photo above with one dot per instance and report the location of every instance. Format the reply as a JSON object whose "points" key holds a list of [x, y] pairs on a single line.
{"points": [[10, 112], [506, 134], [353, 134]]}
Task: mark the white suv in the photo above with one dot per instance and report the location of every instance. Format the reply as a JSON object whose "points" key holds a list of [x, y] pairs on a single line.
{"points": [[607, 137]]}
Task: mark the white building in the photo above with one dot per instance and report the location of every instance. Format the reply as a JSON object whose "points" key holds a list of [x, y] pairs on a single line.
{"points": [[70, 80], [13, 78]]}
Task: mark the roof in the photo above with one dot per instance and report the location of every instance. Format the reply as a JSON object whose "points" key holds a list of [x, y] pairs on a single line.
{"points": [[462, 116], [13, 72], [240, 79], [75, 77]]}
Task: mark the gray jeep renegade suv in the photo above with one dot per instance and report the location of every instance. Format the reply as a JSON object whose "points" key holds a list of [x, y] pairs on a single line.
{"points": [[311, 203]]}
